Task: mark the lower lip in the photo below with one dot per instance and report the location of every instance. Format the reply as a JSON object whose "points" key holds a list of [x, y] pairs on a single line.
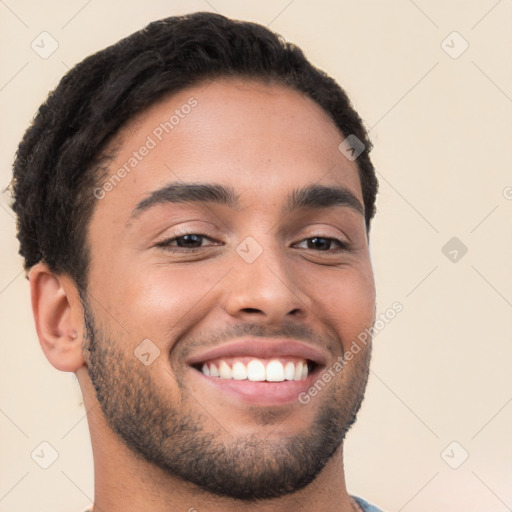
{"points": [[260, 393]]}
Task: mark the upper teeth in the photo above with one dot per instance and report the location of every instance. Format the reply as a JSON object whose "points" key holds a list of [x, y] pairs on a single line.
{"points": [[255, 370]]}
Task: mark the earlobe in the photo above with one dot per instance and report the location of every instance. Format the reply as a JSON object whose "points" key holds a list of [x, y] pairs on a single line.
{"points": [[54, 306]]}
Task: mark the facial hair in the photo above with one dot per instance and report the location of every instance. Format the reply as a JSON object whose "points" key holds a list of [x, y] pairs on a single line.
{"points": [[180, 438]]}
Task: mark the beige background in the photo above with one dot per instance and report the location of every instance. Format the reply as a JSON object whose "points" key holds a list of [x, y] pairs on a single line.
{"points": [[442, 132]]}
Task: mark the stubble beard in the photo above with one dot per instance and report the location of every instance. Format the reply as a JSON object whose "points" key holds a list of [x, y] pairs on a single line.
{"points": [[183, 441]]}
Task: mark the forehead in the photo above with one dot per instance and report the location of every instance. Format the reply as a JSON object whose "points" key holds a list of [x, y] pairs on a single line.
{"points": [[260, 139]]}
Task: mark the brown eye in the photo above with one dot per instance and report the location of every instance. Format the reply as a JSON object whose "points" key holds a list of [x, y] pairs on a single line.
{"points": [[188, 241], [320, 243]]}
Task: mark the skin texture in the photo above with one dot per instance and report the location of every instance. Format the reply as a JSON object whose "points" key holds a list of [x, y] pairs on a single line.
{"points": [[163, 438]]}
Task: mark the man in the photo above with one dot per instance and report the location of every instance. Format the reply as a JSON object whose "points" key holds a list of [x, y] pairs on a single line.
{"points": [[194, 205]]}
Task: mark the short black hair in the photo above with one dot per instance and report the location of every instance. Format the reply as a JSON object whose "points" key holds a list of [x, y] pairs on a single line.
{"points": [[62, 155]]}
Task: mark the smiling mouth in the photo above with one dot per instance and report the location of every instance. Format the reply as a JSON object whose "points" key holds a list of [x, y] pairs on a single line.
{"points": [[257, 369]]}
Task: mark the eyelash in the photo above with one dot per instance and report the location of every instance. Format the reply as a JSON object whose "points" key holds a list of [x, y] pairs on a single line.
{"points": [[166, 244]]}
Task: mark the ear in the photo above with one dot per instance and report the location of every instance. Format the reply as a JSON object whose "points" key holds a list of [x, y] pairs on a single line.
{"points": [[58, 316]]}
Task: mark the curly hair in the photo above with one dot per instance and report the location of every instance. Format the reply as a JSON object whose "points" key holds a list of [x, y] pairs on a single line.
{"points": [[63, 154]]}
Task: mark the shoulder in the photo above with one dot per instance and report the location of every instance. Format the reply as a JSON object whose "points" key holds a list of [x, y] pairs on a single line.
{"points": [[365, 506]]}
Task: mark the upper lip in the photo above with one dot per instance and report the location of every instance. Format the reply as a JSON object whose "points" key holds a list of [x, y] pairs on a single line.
{"points": [[262, 349]]}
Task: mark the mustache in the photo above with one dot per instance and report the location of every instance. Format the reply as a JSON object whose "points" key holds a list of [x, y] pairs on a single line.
{"points": [[213, 338]]}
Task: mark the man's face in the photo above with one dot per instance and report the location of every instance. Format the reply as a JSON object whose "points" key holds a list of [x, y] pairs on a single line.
{"points": [[257, 283]]}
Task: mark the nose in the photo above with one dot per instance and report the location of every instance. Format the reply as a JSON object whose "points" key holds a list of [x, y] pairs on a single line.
{"points": [[265, 290]]}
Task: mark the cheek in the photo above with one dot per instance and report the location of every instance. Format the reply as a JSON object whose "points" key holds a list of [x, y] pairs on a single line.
{"points": [[163, 302], [345, 301], [166, 302]]}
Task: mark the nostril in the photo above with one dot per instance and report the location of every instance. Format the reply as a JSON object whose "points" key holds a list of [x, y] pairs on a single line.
{"points": [[251, 310]]}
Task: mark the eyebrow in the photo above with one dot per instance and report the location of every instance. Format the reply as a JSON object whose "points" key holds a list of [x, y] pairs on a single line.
{"points": [[312, 196], [322, 196], [177, 192]]}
